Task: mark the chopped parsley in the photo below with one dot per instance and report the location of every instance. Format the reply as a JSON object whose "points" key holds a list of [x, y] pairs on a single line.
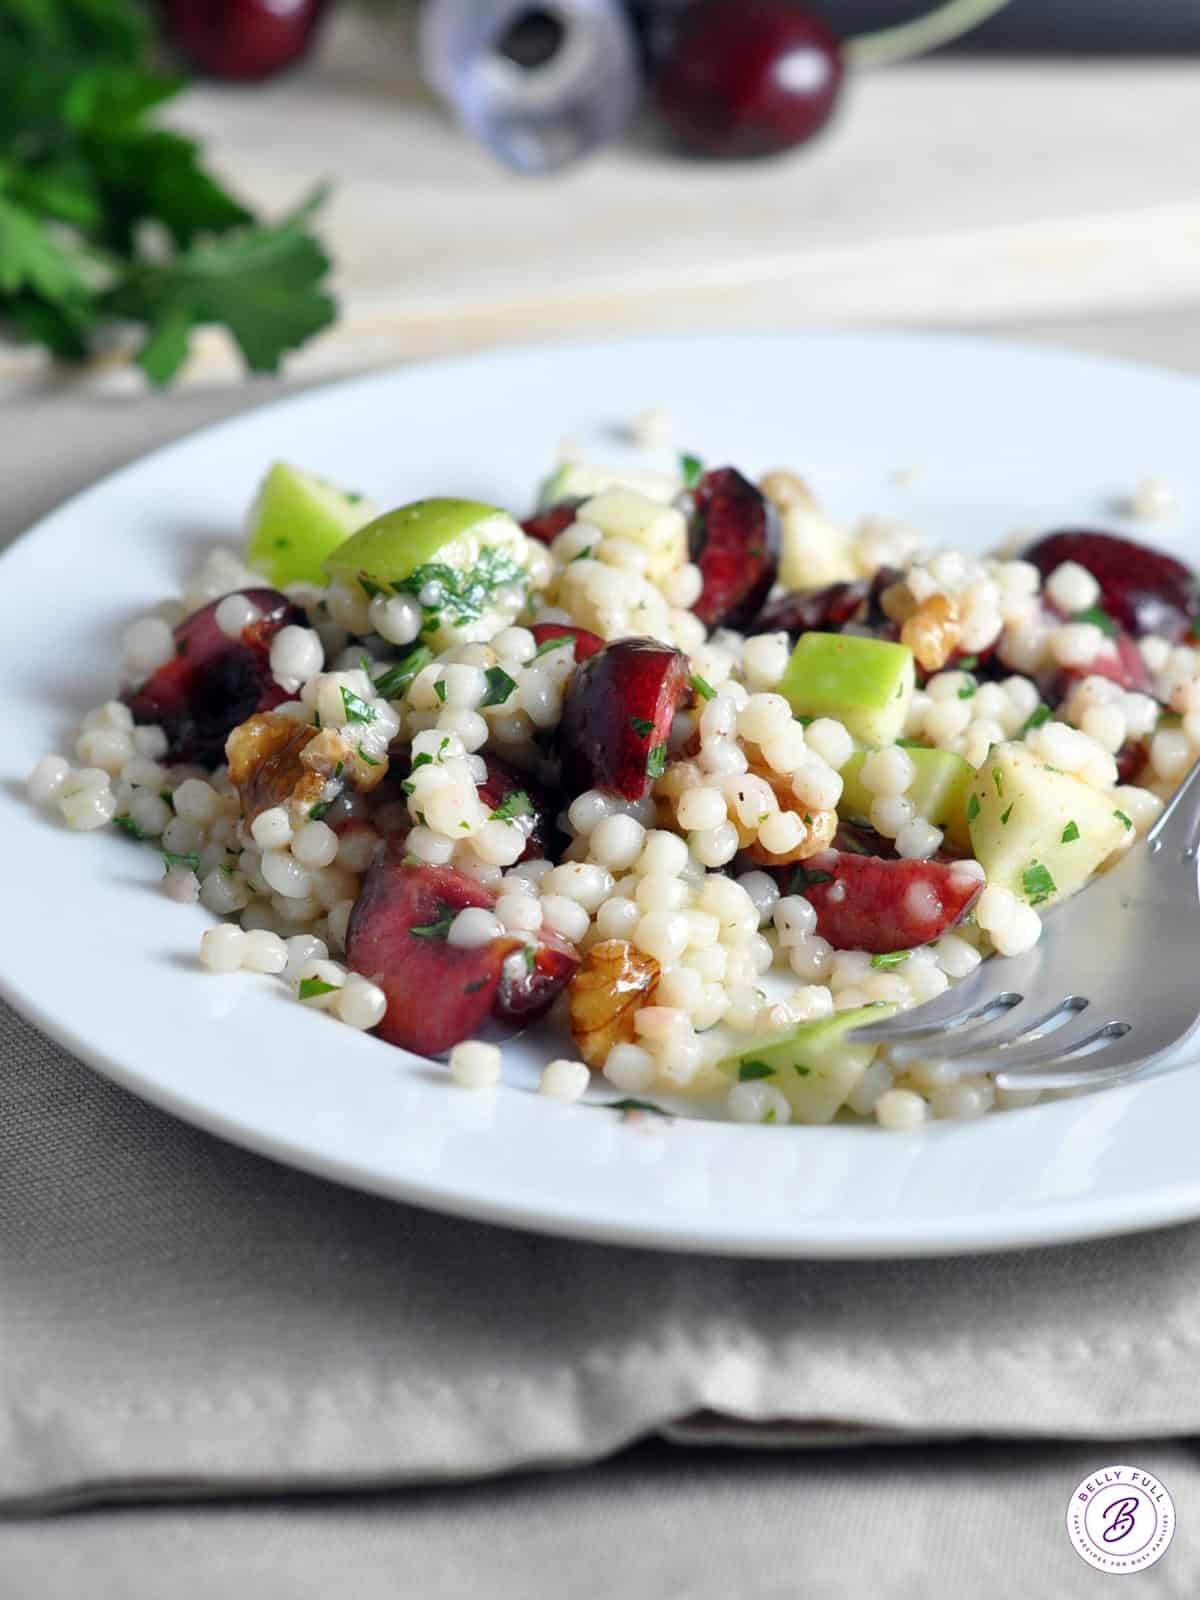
{"points": [[998, 780], [1070, 833], [439, 689], [804, 721], [749, 1070], [582, 555], [515, 804], [473, 988], [309, 988], [357, 709], [440, 929], [968, 663], [691, 469], [969, 689], [627, 1105], [499, 686], [1121, 817], [371, 761], [186, 858], [702, 687], [423, 760], [129, 826], [801, 1070], [1005, 814], [769, 1114], [890, 958], [1100, 618], [530, 955], [656, 761], [401, 673], [1035, 718], [802, 877], [641, 726], [972, 808], [464, 595], [558, 642], [1037, 883], [315, 813]]}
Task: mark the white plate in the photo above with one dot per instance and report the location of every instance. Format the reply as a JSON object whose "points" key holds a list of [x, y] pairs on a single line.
{"points": [[1001, 437]]}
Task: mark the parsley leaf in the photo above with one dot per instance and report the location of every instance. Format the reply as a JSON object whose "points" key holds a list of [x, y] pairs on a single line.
{"points": [[1035, 718], [1006, 813], [310, 988], [558, 642], [357, 709], [702, 687], [641, 726], [890, 958], [439, 689], [1121, 817], [439, 929], [972, 808], [395, 681], [499, 686], [127, 825], [691, 469], [1100, 617], [1037, 883], [464, 594], [1070, 833], [656, 761], [515, 804], [749, 1070], [187, 858]]}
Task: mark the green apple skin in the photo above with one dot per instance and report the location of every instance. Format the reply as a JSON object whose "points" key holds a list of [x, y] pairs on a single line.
{"points": [[582, 480], [867, 684], [939, 792], [1019, 811], [832, 1064], [392, 547], [296, 522]]}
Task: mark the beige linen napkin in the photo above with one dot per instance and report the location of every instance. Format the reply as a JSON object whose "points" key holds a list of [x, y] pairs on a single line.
{"points": [[179, 1316]]}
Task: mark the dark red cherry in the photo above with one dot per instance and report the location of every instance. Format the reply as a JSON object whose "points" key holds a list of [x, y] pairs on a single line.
{"points": [[1145, 590], [749, 77], [241, 38]]}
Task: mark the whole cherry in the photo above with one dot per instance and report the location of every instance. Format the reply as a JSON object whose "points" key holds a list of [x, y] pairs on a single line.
{"points": [[242, 39]]}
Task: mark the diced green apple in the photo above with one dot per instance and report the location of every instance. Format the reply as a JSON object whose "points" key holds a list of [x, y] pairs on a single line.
{"points": [[660, 530], [296, 521], [867, 684], [939, 792], [814, 550], [1037, 831], [814, 1064], [580, 480], [396, 544]]}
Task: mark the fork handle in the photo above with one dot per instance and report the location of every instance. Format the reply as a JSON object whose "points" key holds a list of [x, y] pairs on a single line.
{"points": [[1177, 829]]}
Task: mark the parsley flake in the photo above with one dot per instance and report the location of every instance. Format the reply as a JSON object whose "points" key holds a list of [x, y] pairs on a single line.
{"points": [[499, 686], [1035, 718], [998, 780], [890, 958], [515, 804], [641, 726], [309, 988], [1100, 618], [558, 642], [972, 808], [357, 709], [1070, 833], [969, 689], [400, 674], [127, 825], [1121, 817], [702, 687], [656, 761], [1037, 883], [748, 1071], [185, 858], [1005, 814], [439, 689], [691, 469], [439, 929]]}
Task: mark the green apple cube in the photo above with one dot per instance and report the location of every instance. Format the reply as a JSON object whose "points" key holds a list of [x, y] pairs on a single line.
{"points": [[467, 562], [814, 551], [1038, 831], [660, 530], [296, 521], [814, 1064], [867, 684], [940, 790], [581, 480]]}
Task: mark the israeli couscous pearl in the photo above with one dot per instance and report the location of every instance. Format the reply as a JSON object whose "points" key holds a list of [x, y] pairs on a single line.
{"points": [[359, 1003], [565, 1080], [148, 644], [88, 809], [302, 948], [759, 1102], [221, 948], [263, 951], [47, 779], [472, 927], [900, 1110], [181, 884]]}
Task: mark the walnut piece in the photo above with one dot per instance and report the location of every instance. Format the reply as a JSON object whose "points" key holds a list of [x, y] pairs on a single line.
{"points": [[784, 489], [615, 981], [277, 761], [932, 632]]}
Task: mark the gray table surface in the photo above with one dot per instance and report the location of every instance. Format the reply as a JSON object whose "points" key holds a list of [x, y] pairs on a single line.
{"points": [[658, 1521]]}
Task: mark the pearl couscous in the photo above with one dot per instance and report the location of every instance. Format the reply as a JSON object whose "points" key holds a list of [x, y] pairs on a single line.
{"points": [[679, 763]]}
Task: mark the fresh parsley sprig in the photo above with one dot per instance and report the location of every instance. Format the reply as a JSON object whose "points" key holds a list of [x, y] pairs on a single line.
{"points": [[109, 222]]}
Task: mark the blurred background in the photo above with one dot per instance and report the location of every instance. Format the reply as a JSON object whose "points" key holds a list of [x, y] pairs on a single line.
{"points": [[211, 186]]}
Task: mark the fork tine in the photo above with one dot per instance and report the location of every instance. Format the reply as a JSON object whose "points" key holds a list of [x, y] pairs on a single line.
{"points": [[1179, 825], [973, 1038], [1058, 1045], [960, 1002], [1125, 1057]]}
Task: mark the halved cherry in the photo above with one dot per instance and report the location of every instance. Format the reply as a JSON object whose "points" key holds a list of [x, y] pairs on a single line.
{"points": [[617, 715], [866, 903], [1120, 660], [532, 811], [213, 682], [734, 539], [548, 524], [586, 644], [824, 610], [439, 993], [1145, 590]]}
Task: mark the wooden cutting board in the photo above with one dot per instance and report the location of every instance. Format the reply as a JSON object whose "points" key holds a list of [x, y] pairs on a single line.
{"points": [[946, 191]]}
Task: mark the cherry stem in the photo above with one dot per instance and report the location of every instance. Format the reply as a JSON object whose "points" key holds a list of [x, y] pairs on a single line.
{"points": [[907, 39]]}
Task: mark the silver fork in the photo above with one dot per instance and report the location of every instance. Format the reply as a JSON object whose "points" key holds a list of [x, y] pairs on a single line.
{"points": [[1111, 986]]}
